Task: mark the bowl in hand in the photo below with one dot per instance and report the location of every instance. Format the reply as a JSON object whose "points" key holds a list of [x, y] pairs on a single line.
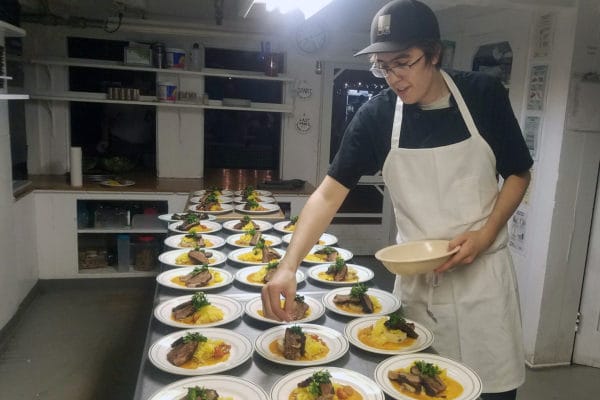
{"points": [[415, 257]]}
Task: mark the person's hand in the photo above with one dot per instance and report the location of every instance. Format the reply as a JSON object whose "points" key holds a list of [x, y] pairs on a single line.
{"points": [[102, 146], [282, 283], [471, 244]]}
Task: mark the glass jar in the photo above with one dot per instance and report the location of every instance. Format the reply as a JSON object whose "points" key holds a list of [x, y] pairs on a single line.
{"points": [[146, 253]]}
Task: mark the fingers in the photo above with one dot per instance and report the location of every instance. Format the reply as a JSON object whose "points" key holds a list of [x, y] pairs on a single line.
{"points": [[272, 304]]}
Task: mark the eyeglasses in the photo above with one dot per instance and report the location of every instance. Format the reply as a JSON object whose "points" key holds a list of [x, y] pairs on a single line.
{"points": [[380, 70]]}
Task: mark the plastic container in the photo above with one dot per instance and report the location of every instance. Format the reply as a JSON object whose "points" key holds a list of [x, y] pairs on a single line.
{"points": [[123, 253], [146, 253], [159, 56], [196, 57], [167, 91], [175, 58]]}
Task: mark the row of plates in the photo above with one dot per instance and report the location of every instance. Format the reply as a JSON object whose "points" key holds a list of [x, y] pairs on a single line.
{"points": [[237, 199], [174, 241], [213, 226], [267, 208], [229, 193]]}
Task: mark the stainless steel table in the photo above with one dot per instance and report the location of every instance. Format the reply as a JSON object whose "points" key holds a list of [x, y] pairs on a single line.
{"points": [[259, 370]]}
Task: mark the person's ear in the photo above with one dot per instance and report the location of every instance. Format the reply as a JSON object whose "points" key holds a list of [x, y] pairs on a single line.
{"points": [[435, 58]]}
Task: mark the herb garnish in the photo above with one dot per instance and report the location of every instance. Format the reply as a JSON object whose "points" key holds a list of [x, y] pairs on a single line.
{"points": [[428, 369], [339, 264], [318, 378], [199, 300], [296, 329], [293, 220], [197, 393], [199, 269], [299, 299], [272, 264], [358, 290], [194, 337]]}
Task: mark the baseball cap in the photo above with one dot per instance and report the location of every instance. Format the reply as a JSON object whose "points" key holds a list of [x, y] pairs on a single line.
{"points": [[399, 24]]}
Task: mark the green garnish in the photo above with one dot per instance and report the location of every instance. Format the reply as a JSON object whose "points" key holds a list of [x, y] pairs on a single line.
{"points": [[212, 198], [246, 219], [248, 191], [339, 264], [395, 318], [251, 232], [260, 245], [272, 264], [197, 393], [293, 220], [327, 250], [199, 249], [199, 300], [191, 218], [194, 235], [197, 270], [194, 337], [296, 329], [318, 378], [358, 290], [252, 204], [299, 299], [428, 369]]}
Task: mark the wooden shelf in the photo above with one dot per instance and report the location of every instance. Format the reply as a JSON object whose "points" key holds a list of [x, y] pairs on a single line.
{"points": [[121, 230], [224, 73], [151, 101], [14, 96], [11, 30]]}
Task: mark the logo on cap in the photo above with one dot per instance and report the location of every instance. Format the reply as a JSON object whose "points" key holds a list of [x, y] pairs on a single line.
{"points": [[384, 25]]}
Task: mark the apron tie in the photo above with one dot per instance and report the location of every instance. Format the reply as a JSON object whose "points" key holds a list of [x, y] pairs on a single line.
{"points": [[434, 281]]}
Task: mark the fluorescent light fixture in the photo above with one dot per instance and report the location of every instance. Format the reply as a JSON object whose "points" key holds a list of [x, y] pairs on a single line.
{"points": [[307, 7]]}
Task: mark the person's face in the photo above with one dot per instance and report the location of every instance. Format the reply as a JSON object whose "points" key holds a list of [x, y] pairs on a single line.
{"points": [[410, 76]]}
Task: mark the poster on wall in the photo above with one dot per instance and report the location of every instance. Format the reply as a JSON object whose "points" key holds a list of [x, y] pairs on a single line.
{"points": [[518, 224], [537, 87], [532, 133], [544, 34]]}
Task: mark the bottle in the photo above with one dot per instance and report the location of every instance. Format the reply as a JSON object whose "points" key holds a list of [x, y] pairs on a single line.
{"points": [[146, 253], [123, 253], [196, 57]]}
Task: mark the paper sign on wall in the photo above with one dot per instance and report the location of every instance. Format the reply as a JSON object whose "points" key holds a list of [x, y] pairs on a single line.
{"points": [[532, 133], [536, 93]]}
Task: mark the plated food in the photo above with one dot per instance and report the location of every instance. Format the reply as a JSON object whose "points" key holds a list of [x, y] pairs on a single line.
{"points": [[193, 278], [213, 209], [193, 240], [205, 226], [255, 256], [359, 301], [250, 190], [326, 239], [326, 383], [255, 275], [427, 376], [389, 334], [253, 207], [251, 238], [174, 217], [340, 273], [198, 309], [301, 344], [307, 309], [286, 226], [220, 387], [216, 190], [247, 223], [323, 254], [219, 198], [195, 256], [200, 351], [117, 182]]}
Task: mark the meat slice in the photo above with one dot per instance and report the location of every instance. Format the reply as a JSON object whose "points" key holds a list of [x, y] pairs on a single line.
{"points": [[181, 352], [330, 253], [199, 257], [183, 310], [300, 309], [211, 394], [243, 222], [255, 238], [200, 241], [410, 382], [197, 279], [293, 344], [269, 275], [367, 304], [269, 254], [186, 226], [433, 385], [327, 391], [339, 274], [345, 299], [406, 327]]}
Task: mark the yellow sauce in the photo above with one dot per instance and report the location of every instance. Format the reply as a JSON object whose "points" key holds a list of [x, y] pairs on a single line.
{"points": [[193, 242], [199, 228], [357, 308], [258, 276], [205, 315], [350, 276], [453, 388], [315, 349], [364, 335], [184, 259], [216, 278], [342, 392]]}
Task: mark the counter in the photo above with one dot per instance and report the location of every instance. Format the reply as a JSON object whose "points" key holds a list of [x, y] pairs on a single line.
{"points": [[259, 370]]}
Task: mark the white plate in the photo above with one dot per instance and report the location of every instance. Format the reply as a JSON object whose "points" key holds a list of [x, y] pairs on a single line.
{"points": [[389, 302], [424, 340], [363, 274], [262, 225], [258, 192], [227, 386], [269, 208], [165, 279], [316, 310], [242, 276], [222, 199], [232, 309], [117, 183], [225, 208], [459, 372], [262, 199], [211, 225], [345, 254], [279, 226], [169, 257], [334, 340], [173, 241], [234, 254], [231, 240], [224, 192], [327, 239], [241, 350], [169, 217], [363, 385]]}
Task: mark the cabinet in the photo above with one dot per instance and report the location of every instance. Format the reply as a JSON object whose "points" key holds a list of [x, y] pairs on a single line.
{"points": [[113, 236], [149, 100]]}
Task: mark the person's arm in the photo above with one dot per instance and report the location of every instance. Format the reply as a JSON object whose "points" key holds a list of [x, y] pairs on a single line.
{"points": [[473, 243], [312, 222]]}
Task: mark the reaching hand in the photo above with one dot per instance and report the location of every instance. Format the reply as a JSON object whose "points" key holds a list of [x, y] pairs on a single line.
{"points": [[283, 284], [471, 244]]}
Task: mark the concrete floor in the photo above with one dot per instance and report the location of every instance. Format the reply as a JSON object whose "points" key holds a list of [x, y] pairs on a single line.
{"points": [[83, 339]]}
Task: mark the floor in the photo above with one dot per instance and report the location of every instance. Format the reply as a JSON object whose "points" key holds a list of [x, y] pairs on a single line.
{"points": [[83, 339]]}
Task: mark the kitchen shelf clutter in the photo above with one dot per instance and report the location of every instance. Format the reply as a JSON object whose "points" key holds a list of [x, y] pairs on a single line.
{"points": [[153, 101], [9, 30]]}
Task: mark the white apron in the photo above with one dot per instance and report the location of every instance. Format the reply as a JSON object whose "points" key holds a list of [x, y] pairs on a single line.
{"points": [[473, 310]]}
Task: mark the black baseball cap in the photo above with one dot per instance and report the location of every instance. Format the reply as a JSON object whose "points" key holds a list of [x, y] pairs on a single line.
{"points": [[400, 24]]}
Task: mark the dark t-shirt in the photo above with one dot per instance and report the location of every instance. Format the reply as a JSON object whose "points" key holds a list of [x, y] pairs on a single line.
{"points": [[367, 139]]}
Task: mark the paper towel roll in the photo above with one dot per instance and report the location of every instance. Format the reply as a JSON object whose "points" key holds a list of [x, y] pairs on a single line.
{"points": [[76, 174]]}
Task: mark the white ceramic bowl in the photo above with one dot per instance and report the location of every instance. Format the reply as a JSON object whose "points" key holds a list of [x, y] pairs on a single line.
{"points": [[416, 257]]}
